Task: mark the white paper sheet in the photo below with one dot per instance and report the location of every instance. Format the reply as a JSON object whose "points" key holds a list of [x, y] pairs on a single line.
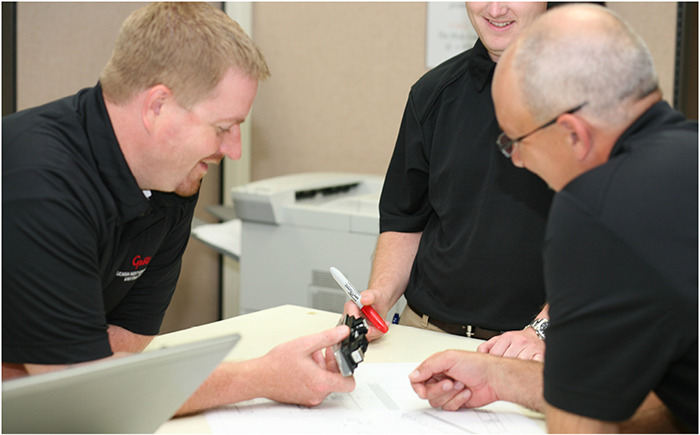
{"points": [[383, 402]]}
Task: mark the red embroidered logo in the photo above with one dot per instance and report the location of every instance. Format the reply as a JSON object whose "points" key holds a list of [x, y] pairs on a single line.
{"points": [[138, 261]]}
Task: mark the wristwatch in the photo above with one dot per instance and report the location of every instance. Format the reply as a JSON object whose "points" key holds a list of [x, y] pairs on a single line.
{"points": [[539, 325]]}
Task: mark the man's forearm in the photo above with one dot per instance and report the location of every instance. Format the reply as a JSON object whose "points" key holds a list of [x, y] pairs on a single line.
{"points": [[519, 381], [652, 416], [123, 340], [560, 421], [230, 382], [391, 267]]}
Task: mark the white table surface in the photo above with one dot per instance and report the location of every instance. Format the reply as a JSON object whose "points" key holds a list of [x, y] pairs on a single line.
{"points": [[263, 330]]}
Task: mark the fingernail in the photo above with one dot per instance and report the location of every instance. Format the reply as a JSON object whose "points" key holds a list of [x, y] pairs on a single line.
{"points": [[414, 374], [458, 386]]}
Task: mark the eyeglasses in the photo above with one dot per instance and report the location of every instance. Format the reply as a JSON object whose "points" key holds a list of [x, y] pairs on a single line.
{"points": [[507, 145]]}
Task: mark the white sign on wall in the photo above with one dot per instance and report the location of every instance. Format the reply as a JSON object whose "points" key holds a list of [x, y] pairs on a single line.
{"points": [[448, 31]]}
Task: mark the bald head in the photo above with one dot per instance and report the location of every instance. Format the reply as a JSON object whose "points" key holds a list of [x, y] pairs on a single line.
{"points": [[574, 54], [568, 87]]}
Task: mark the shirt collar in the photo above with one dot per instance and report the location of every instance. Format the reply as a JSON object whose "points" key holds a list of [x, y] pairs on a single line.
{"points": [[481, 68], [109, 158], [658, 114]]}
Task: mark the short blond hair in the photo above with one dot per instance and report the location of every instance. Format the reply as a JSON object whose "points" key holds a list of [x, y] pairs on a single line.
{"points": [[187, 47]]}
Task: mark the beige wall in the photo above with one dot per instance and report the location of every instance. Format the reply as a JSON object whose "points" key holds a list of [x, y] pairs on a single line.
{"points": [[62, 47], [656, 22], [341, 74]]}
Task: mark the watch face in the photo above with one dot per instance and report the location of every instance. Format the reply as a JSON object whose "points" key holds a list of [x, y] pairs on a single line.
{"points": [[540, 326]]}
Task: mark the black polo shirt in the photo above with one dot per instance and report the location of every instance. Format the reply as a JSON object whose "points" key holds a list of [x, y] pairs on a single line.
{"points": [[479, 260], [621, 268], [82, 245]]}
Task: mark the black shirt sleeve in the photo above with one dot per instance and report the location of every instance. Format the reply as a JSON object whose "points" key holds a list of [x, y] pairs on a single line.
{"points": [[52, 304], [612, 338], [404, 205]]}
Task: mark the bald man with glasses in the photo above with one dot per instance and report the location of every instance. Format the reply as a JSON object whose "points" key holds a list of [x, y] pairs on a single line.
{"points": [[621, 244]]}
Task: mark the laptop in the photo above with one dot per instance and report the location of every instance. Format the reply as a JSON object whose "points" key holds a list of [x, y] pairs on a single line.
{"points": [[132, 394]]}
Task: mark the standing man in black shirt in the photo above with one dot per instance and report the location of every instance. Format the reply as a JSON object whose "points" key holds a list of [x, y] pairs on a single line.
{"points": [[461, 228], [579, 93], [98, 196]]}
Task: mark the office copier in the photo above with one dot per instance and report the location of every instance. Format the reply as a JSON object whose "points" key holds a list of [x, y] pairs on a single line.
{"points": [[295, 227]]}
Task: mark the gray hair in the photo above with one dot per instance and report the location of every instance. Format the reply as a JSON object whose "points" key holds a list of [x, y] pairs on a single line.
{"points": [[606, 67]]}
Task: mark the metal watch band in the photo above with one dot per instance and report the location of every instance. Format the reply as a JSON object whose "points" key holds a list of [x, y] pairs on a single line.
{"points": [[540, 326]]}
